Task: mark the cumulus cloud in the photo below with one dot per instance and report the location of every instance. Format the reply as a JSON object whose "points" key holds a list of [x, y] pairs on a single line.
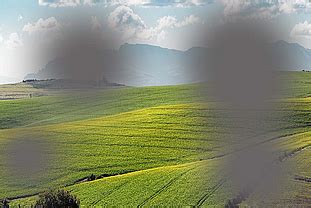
{"points": [[1, 37], [302, 29], [42, 33], [188, 3], [249, 8], [73, 3], [177, 3], [59, 3], [20, 18], [124, 17], [131, 26], [292, 6], [14, 41], [124, 20], [189, 20], [263, 8], [171, 22], [42, 25]]}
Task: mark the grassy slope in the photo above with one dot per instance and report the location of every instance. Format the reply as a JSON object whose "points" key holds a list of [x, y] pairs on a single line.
{"points": [[21, 90], [152, 132], [125, 142], [84, 105], [166, 186]]}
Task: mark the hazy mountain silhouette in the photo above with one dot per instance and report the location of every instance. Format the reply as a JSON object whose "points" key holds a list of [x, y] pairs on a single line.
{"points": [[142, 64], [8, 80]]}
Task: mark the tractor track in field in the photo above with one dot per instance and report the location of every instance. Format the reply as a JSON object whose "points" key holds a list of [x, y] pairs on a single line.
{"points": [[210, 193], [129, 136], [135, 126], [302, 179], [166, 186], [202, 149], [292, 153], [214, 189], [244, 194], [109, 193]]}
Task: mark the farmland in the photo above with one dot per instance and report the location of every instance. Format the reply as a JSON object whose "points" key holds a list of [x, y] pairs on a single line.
{"points": [[151, 145]]}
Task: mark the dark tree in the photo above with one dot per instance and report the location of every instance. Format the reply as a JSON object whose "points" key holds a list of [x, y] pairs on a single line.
{"points": [[59, 198], [4, 203]]}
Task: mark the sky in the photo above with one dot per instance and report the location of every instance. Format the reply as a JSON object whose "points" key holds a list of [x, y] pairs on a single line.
{"points": [[27, 26]]}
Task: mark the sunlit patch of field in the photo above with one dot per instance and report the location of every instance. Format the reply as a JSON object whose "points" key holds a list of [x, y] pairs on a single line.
{"points": [[122, 143], [19, 91], [77, 105], [178, 185]]}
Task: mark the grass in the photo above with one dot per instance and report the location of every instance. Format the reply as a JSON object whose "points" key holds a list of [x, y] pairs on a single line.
{"points": [[19, 91], [73, 106], [125, 142], [163, 186], [158, 142]]}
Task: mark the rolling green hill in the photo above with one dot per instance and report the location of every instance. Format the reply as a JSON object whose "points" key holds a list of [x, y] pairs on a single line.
{"points": [[148, 146]]}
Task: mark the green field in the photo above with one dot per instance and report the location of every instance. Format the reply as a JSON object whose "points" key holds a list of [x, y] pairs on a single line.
{"points": [[153, 145]]}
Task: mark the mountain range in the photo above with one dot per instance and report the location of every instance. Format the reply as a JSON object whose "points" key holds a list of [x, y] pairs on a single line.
{"points": [[144, 65]]}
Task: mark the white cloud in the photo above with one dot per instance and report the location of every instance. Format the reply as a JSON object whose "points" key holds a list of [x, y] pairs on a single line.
{"points": [[292, 6], [59, 3], [73, 3], [302, 29], [172, 22], [160, 3], [14, 41], [124, 16], [124, 20], [249, 8], [42, 33], [1, 37], [188, 3], [20, 18], [131, 26], [42, 25], [166, 22], [264, 8], [177, 3], [90, 2], [189, 20]]}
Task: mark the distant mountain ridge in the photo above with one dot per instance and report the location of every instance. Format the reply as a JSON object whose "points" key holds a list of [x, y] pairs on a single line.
{"points": [[144, 64], [8, 80], [299, 57]]}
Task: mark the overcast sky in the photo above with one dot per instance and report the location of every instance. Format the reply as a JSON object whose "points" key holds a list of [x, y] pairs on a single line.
{"points": [[26, 25]]}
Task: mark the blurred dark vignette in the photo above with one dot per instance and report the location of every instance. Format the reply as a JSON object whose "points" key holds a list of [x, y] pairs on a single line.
{"points": [[242, 80], [84, 58]]}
